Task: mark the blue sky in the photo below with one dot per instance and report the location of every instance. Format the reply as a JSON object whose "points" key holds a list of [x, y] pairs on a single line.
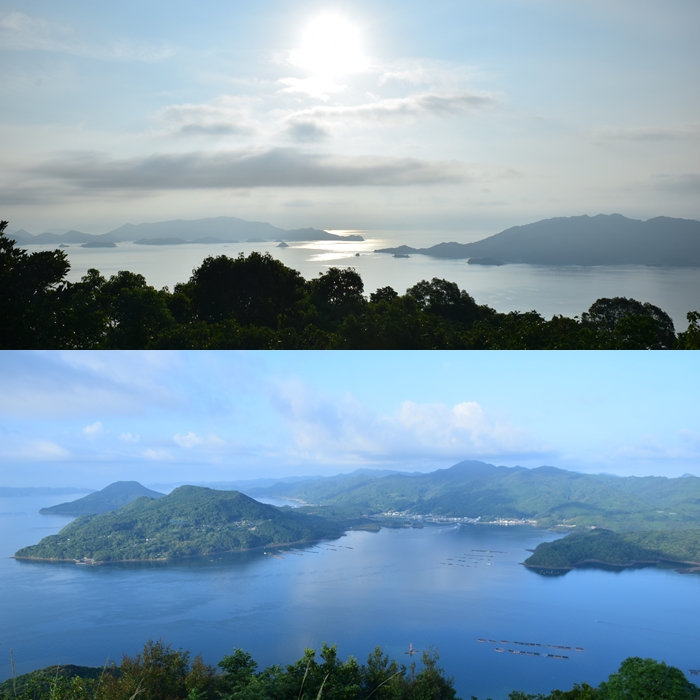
{"points": [[87, 419], [453, 114]]}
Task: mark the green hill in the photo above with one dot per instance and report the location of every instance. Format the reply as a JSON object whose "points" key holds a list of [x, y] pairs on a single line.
{"points": [[617, 549], [190, 521], [477, 490], [109, 498]]}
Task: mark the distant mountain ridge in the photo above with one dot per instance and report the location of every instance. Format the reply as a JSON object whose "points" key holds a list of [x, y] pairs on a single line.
{"points": [[581, 240], [474, 489], [226, 228], [112, 497]]}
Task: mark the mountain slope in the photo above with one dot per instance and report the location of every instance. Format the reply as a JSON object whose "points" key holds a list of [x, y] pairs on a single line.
{"points": [[478, 490], [582, 240], [225, 228], [109, 498], [190, 521]]}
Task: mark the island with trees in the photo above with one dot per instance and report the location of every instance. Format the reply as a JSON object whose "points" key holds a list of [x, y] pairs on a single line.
{"points": [[257, 302], [618, 549], [190, 521]]}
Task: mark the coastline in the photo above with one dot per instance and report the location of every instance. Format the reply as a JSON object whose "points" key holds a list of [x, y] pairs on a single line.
{"points": [[88, 562], [695, 566]]}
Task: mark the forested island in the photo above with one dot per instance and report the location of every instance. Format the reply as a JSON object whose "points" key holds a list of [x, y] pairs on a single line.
{"points": [[190, 521], [256, 302], [160, 672], [618, 549]]}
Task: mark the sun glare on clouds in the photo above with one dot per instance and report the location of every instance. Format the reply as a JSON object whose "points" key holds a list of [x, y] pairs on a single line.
{"points": [[330, 49]]}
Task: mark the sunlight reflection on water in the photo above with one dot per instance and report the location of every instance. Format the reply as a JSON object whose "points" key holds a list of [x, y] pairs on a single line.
{"points": [[550, 290]]}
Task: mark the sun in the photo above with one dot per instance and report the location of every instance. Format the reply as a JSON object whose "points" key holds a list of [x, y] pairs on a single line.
{"points": [[331, 47]]}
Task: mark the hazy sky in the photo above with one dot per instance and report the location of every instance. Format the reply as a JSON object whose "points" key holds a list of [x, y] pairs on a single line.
{"points": [[87, 419], [349, 114]]}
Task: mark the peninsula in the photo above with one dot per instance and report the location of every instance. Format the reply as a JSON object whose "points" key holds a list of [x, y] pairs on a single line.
{"points": [[580, 240], [618, 549]]}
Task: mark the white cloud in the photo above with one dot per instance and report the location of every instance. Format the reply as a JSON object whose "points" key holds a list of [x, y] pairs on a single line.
{"points": [[128, 437], [189, 440], [13, 447], [346, 431], [316, 86], [223, 116], [392, 111], [687, 132], [20, 32], [93, 430]]}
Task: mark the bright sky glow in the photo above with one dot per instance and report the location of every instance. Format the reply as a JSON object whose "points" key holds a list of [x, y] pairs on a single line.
{"points": [[330, 47], [508, 112], [87, 419]]}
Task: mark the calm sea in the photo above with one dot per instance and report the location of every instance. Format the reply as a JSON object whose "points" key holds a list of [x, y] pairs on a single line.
{"points": [[550, 290], [434, 587]]}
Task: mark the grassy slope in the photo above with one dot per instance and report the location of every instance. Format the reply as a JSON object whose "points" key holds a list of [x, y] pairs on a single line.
{"points": [[190, 521]]}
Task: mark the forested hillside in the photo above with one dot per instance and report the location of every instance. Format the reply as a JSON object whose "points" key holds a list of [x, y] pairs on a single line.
{"points": [[477, 490], [617, 549]]}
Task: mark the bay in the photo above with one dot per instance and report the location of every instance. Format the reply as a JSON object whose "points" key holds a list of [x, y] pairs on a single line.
{"points": [[549, 290], [434, 587]]}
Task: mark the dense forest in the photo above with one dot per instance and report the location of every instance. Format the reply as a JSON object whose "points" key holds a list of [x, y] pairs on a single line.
{"points": [[256, 302], [160, 672], [617, 549], [190, 521]]}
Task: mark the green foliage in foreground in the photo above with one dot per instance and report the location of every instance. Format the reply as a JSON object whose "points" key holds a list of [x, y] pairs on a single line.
{"points": [[257, 302], [161, 673], [617, 549], [190, 521]]}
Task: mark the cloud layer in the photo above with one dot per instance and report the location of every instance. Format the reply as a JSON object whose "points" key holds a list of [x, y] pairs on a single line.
{"points": [[243, 168]]}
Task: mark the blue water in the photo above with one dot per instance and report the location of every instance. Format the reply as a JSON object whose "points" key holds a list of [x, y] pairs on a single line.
{"points": [[366, 589]]}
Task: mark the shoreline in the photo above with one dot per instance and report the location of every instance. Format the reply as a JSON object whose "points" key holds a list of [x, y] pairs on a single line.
{"points": [[170, 559], [694, 565]]}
